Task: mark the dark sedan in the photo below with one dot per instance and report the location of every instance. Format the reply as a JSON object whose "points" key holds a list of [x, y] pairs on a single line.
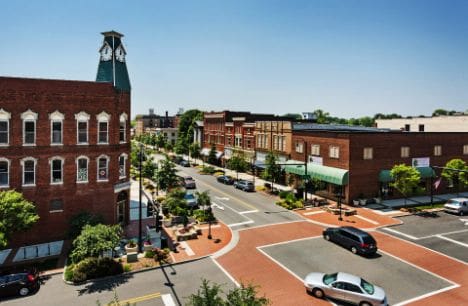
{"points": [[225, 179], [18, 284]]}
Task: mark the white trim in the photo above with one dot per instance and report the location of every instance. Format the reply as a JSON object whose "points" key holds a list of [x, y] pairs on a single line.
{"points": [[107, 168], [3, 159], [77, 169], [58, 116], [4, 115], [99, 132], [22, 161], [29, 115], [51, 160], [125, 156], [52, 121], [123, 116], [103, 116]]}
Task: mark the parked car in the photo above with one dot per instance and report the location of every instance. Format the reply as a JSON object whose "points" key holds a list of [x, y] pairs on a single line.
{"points": [[18, 284], [184, 163], [225, 179], [354, 239], [345, 287], [457, 206], [191, 200], [189, 183], [244, 185]]}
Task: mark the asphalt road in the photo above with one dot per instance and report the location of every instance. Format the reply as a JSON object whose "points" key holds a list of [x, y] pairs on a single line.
{"points": [[440, 231], [400, 280], [145, 288]]}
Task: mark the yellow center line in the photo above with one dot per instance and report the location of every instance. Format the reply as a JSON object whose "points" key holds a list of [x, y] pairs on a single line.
{"points": [[137, 299], [230, 196]]}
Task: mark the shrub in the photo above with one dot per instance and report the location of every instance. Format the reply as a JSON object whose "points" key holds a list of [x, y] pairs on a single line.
{"points": [[161, 255], [68, 274], [149, 254], [127, 268], [78, 277], [283, 194], [92, 267], [81, 219], [218, 173]]}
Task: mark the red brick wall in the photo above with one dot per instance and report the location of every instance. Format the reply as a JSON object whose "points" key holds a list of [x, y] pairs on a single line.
{"points": [[68, 97]]}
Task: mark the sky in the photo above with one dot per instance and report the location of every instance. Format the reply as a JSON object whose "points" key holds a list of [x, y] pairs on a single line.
{"points": [[349, 58]]}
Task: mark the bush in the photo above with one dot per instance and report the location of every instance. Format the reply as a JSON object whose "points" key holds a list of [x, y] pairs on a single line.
{"points": [[208, 170], [78, 221], [283, 194], [149, 254], [161, 255], [127, 268], [68, 274], [218, 173], [92, 267]]}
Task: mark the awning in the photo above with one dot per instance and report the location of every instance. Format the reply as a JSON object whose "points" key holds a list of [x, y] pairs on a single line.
{"points": [[426, 172], [218, 154], [259, 164], [205, 151], [327, 174]]}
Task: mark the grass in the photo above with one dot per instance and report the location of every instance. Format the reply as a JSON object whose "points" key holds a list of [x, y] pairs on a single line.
{"points": [[429, 206]]}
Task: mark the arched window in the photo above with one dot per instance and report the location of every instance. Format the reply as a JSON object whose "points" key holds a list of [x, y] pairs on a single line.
{"points": [[103, 168], [56, 128], [4, 127], [122, 165], [4, 173], [56, 169], [82, 164], [82, 119], [29, 127], [103, 128], [29, 171], [123, 128]]}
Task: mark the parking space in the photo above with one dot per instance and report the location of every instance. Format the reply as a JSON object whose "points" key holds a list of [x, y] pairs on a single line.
{"points": [[439, 231], [401, 281]]}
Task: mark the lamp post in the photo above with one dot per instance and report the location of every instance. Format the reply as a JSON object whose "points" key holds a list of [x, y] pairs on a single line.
{"points": [[340, 218], [140, 240], [209, 221]]}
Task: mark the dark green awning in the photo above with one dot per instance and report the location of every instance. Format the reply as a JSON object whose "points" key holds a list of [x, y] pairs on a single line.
{"points": [[426, 172], [327, 174]]}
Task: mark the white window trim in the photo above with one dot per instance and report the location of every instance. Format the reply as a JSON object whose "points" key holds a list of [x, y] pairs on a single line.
{"points": [[82, 117], [334, 152], [29, 116], [87, 169], [103, 117], [2, 159], [22, 170], [61, 169], [403, 149], [5, 116], [465, 149], [123, 119], [107, 168], [437, 150], [315, 149], [125, 156], [56, 117], [299, 147], [369, 156]]}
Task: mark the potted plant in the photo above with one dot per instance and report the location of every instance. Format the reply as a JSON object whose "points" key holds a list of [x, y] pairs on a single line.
{"points": [[147, 246], [131, 247]]}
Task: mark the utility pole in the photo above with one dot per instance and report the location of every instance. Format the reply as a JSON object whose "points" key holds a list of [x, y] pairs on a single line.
{"points": [[140, 241]]}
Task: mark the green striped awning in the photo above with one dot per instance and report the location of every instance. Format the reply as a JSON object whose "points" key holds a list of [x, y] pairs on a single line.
{"points": [[327, 174], [426, 172]]}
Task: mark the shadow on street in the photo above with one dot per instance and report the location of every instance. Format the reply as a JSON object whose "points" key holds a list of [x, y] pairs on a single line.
{"points": [[104, 285]]}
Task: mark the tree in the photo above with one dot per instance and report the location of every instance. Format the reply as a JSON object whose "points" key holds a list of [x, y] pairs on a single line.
{"points": [[194, 150], [16, 214], [168, 146], [94, 240], [166, 176], [212, 155], [207, 295], [406, 179], [148, 168], [245, 295], [238, 164], [176, 203], [78, 221], [160, 141], [457, 178], [272, 169], [322, 117]]}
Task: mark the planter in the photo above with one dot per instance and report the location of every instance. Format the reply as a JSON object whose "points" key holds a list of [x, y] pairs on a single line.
{"points": [[356, 202], [129, 249], [147, 247], [378, 200], [362, 202]]}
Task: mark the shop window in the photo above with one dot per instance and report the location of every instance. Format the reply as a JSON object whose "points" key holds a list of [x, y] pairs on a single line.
{"points": [[368, 153], [437, 150], [405, 151]]}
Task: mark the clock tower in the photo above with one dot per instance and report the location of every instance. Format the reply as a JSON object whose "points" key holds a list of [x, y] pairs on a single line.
{"points": [[112, 67]]}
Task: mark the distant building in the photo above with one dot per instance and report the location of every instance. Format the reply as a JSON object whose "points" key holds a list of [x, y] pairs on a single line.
{"points": [[150, 122], [170, 134], [198, 132], [65, 145], [454, 123]]}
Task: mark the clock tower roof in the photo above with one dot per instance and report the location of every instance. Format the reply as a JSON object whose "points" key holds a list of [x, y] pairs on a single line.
{"points": [[112, 65]]}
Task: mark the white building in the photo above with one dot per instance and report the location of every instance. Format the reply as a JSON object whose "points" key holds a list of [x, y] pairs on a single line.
{"points": [[169, 133], [455, 123]]}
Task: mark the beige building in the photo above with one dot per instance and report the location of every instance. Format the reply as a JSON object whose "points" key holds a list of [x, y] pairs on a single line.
{"points": [[455, 123], [274, 136]]}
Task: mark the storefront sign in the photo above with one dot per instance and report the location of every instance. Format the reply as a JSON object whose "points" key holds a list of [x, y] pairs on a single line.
{"points": [[421, 162]]}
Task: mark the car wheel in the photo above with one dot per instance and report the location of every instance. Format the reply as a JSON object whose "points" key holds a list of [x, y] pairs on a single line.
{"points": [[327, 237], [318, 293], [24, 291], [461, 213], [365, 304], [354, 250]]}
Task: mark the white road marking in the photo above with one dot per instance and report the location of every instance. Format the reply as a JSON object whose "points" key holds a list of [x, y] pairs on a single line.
{"points": [[465, 221], [452, 240], [446, 233], [226, 272], [313, 212], [426, 295], [187, 248], [222, 198], [206, 226], [241, 223], [248, 211], [168, 300], [400, 233], [366, 219], [216, 206]]}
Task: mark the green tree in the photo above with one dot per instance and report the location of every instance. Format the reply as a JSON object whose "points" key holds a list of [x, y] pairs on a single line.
{"points": [[160, 141], [78, 221], [94, 240], [238, 164], [16, 214], [322, 117], [165, 175], [245, 296], [406, 179], [203, 199], [212, 155], [194, 150], [440, 112], [457, 178], [148, 168], [168, 147], [207, 295], [272, 169]]}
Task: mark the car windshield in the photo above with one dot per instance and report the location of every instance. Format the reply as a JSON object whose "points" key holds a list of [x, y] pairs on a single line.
{"points": [[329, 278], [189, 196], [188, 178], [368, 287], [452, 202]]}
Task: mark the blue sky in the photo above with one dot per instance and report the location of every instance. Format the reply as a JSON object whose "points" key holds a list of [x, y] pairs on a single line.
{"points": [[349, 58]]}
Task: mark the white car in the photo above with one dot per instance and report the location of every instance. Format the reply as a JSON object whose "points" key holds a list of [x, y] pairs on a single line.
{"points": [[345, 287], [457, 206]]}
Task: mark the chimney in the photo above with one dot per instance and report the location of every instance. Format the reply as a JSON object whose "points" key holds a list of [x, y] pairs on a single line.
{"points": [[167, 114]]}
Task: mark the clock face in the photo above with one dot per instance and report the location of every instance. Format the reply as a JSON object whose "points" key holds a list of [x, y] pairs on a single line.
{"points": [[106, 53], [120, 54]]}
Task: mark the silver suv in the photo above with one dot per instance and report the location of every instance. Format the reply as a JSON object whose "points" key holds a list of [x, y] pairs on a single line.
{"points": [[457, 206]]}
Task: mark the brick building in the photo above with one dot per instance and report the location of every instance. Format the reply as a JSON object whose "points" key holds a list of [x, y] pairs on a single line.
{"points": [[356, 161], [65, 144], [151, 122]]}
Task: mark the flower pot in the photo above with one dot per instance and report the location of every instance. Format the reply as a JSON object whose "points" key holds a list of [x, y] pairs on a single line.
{"points": [[130, 249], [147, 247]]}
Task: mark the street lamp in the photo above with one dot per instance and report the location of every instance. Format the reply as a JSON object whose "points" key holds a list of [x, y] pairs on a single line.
{"points": [[140, 240], [209, 221], [340, 218]]}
